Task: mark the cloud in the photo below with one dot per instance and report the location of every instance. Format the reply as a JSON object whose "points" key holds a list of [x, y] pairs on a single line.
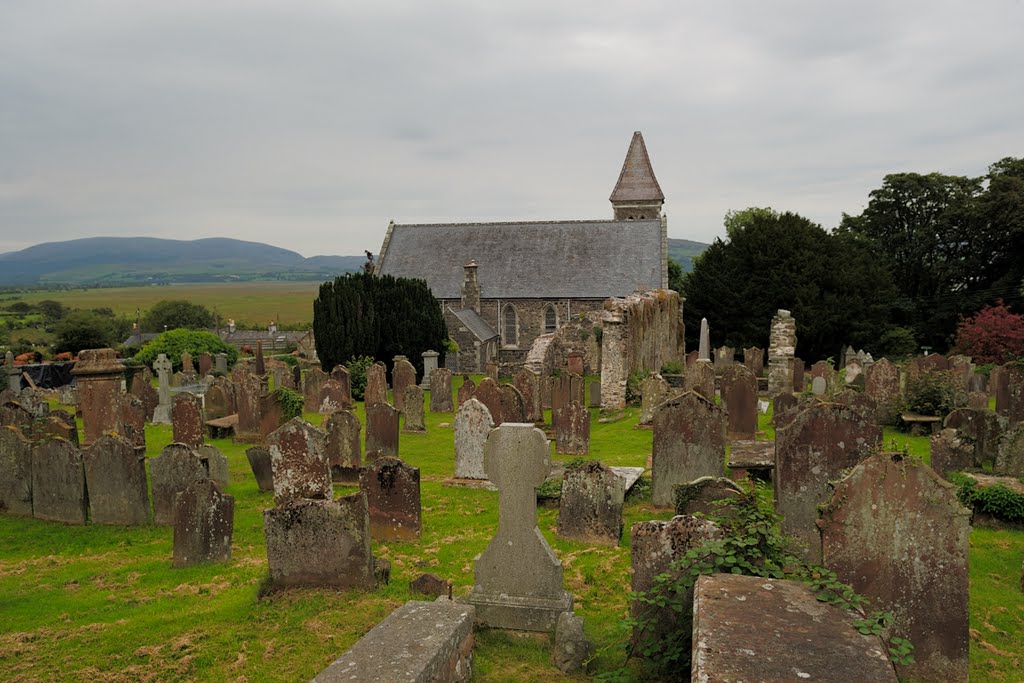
{"points": [[310, 125]]}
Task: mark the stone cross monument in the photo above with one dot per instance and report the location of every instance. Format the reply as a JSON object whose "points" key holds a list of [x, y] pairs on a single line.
{"points": [[163, 367]]}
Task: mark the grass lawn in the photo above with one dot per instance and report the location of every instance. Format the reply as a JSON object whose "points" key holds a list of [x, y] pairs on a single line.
{"points": [[103, 603]]}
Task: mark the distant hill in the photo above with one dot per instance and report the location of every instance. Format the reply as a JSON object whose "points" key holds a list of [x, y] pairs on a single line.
{"points": [[683, 251], [150, 260]]}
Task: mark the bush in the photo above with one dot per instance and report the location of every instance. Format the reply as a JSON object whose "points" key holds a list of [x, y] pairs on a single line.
{"points": [[633, 383], [291, 402], [672, 368], [357, 375], [897, 342], [176, 342], [79, 330], [997, 501], [170, 315], [993, 335], [935, 393]]}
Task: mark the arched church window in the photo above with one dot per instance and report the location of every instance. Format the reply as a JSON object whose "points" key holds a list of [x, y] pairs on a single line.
{"points": [[550, 319], [509, 326]]}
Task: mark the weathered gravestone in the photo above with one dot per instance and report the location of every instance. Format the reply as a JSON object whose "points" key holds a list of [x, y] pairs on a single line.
{"points": [[466, 390], [782, 403], [429, 365], [517, 579], [344, 450], [491, 369], [272, 414], [689, 442], [982, 427], [441, 391], [861, 403], [1010, 459], [591, 504], [739, 394], [571, 649], [142, 389], [187, 419], [799, 383], [951, 452], [99, 376], [700, 378], [724, 357], [216, 463], [381, 431], [513, 406], [205, 363], [403, 375], [882, 383], [220, 363], [565, 388], [15, 472], [472, 425], [895, 531], [262, 468], [298, 458], [186, 364], [58, 482], [115, 477], [574, 362], [753, 358], [819, 385], [312, 382], [701, 496], [332, 397], [595, 394], [376, 384], [219, 399], [999, 386], [810, 451], [977, 400], [248, 390], [528, 384], [489, 393], [131, 420], [572, 429], [170, 473], [162, 412], [259, 364], [392, 491], [342, 376], [320, 543], [1014, 411], [412, 409], [654, 391], [203, 524]]}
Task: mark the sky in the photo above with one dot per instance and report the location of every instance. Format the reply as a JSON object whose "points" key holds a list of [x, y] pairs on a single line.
{"points": [[311, 124]]}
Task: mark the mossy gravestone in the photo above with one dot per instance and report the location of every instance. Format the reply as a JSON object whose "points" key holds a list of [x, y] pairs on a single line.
{"points": [[689, 442]]}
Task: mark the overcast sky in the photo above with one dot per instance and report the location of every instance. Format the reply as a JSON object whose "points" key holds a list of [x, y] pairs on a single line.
{"points": [[310, 125]]}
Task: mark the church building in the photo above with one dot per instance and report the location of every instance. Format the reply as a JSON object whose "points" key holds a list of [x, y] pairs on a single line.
{"points": [[503, 285]]}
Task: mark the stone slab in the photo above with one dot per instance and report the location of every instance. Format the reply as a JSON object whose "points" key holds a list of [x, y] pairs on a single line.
{"points": [[420, 642], [747, 628], [630, 475]]}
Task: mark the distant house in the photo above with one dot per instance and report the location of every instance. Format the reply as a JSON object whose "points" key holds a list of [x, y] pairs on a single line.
{"points": [[503, 285]]}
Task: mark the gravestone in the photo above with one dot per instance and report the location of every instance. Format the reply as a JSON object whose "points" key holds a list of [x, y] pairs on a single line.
{"points": [[272, 415], [753, 358], [142, 389], [203, 524], [999, 385], [572, 429], [1010, 459], [131, 421], [298, 459], [572, 649], [1014, 393], [429, 584], [739, 394], [528, 384], [861, 403], [216, 463], [320, 543], [312, 382], [248, 390], [342, 376], [376, 384], [896, 533], [466, 390], [547, 384], [472, 425], [491, 369], [58, 482], [219, 399], [799, 384], [429, 365], [977, 400], [261, 466], [810, 451], [983, 427], [403, 375], [441, 391], [172, 472], [724, 357], [692, 357], [782, 403], [781, 352], [882, 383], [260, 365], [854, 374], [186, 364], [700, 378], [16, 469], [412, 409], [344, 451], [590, 508], [489, 393], [205, 363], [187, 419], [517, 579], [654, 391], [704, 341], [819, 386], [689, 443], [162, 412], [595, 394], [574, 362], [13, 414], [381, 431], [332, 397], [99, 375], [513, 406], [220, 363], [951, 452], [392, 491], [701, 496], [115, 477]]}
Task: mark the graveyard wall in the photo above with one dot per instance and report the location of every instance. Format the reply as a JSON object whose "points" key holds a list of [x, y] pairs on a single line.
{"points": [[641, 332]]}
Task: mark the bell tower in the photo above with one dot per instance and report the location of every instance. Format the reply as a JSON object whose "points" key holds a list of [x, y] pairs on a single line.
{"points": [[637, 195]]}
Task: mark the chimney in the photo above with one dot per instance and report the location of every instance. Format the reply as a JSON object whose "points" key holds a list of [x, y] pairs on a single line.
{"points": [[471, 287]]}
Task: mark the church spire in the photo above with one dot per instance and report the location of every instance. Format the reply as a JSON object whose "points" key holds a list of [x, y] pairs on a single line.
{"points": [[637, 194]]}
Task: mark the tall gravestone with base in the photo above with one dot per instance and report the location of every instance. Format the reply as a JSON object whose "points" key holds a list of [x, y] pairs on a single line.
{"points": [[381, 431], [403, 375], [517, 579], [100, 376], [162, 412]]}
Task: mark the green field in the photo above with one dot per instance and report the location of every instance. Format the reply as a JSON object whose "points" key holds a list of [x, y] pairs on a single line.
{"points": [[258, 303], [100, 603]]}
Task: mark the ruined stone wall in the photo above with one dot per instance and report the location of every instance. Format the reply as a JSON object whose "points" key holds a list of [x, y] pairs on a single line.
{"points": [[640, 332], [781, 352]]}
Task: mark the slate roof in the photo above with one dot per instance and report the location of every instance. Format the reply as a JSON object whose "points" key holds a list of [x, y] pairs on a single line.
{"points": [[475, 324], [568, 259], [636, 180]]}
